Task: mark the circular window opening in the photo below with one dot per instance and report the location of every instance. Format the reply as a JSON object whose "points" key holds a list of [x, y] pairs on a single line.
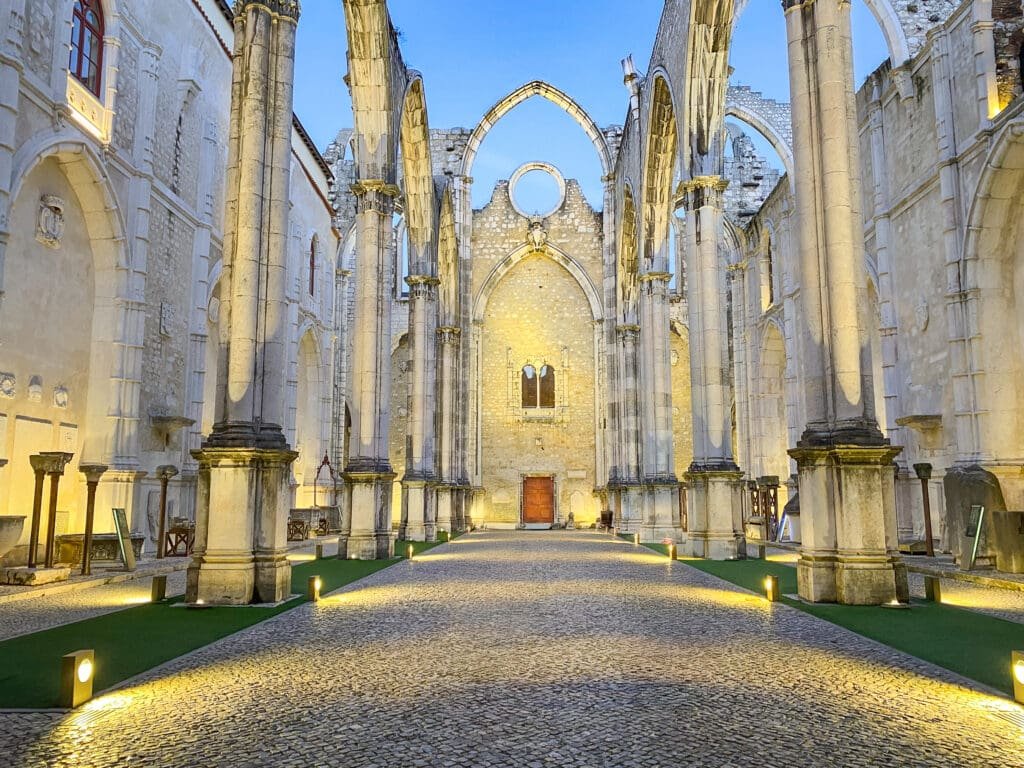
{"points": [[538, 190]]}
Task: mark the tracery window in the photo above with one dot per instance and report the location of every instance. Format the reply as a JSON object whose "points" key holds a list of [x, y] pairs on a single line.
{"points": [[538, 389], [86, 62]]}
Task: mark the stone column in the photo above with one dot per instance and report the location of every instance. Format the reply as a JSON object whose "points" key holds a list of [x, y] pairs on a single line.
{"points": [[11, 66], [369, 471], [630, 512], [661, 487], [449, 339], [243, 498], [849, 549], [419, 512], [715, 496]]}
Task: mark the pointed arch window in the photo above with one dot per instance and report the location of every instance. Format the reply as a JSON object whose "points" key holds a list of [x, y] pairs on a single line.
{"points": [[86, 62], [538, 387]]}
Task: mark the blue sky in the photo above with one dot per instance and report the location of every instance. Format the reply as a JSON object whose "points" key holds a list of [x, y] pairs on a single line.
{"points": [[474, 52]]}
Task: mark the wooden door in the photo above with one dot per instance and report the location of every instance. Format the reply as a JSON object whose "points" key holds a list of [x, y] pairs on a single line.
{"points": [[538, 500]]}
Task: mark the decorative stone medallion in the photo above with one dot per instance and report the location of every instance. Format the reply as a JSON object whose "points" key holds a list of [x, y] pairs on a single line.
{"points": [[60, 398], [7, 386], [51, 225], [35, 389]]}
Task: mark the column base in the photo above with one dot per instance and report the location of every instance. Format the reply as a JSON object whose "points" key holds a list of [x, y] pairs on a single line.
{"points": [[661, 512], [632, 500], [715, 503], [242, 508], [445, 508], [850, 548], [418, 511], [369, 536]]}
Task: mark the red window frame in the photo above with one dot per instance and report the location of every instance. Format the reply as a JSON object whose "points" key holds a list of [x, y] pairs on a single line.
{"points": [[87, 31]]}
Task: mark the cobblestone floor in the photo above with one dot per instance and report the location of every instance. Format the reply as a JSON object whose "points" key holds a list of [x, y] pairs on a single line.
{"points": [[511, 649]]}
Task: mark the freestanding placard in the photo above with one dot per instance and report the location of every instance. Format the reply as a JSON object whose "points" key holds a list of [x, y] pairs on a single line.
{"points": [[124, 541], [974, 526]]}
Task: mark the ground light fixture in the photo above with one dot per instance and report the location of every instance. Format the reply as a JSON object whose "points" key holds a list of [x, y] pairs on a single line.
{"points": [[77, 671], [313, 587], [636, 539], [158, 592], [410, 551], [933, 589], [1017, 665], [671, 551], [772, 589]]}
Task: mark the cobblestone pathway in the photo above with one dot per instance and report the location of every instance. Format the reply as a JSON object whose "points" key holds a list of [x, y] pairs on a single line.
{"points": [[506, 649]]}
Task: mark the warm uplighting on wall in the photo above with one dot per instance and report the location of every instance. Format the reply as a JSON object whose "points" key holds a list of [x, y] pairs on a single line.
{"points": [[1017, 663], [772, 589], [76, 677], [313, 587]]}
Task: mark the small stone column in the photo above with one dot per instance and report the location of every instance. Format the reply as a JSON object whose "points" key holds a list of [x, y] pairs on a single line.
{"points": [[849, 552], [39, 463], [243, 500], [93, 473], [715, 496], [369, 471], [56, 464], [419, 511], [630, 512], [164, 472]]}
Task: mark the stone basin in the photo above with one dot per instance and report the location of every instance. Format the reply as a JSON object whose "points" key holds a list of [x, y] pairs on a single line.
{"points": [[10, 533]]}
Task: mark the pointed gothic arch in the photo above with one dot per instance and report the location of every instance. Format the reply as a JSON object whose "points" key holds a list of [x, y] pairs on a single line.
{"points": [[556, 97], [660, 157], [557, 255], [417, 176]]}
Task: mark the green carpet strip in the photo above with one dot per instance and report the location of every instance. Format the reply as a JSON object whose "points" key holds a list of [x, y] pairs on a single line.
{"points": [[966, 642], [136, 639]]}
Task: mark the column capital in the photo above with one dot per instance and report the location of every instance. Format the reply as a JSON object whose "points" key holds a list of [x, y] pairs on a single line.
{"points": [[449, 334], [701, 191], [50, 462], [380, 187], [289, 9], [375, 195], [92, 472], [652, 277], [628, 333], [422, 280]]}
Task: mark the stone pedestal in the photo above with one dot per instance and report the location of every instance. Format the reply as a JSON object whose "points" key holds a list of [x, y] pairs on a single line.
{"points": [[241, 550], [850, 550], [445, 508], [33, 577], [369, 537], [631, 499], [420, 511], [715, 501], [661, 518]]}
